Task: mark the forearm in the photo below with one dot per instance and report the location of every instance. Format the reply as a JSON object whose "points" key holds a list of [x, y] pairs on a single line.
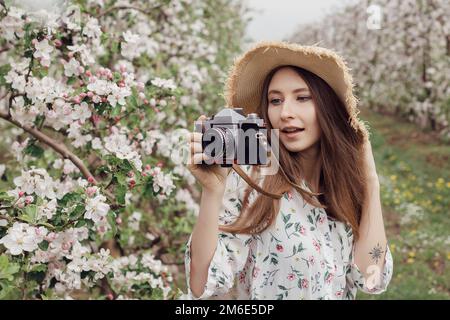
{"points": [[370, 248], [204, 239]]}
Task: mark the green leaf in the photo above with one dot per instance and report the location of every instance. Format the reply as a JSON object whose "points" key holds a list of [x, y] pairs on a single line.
{"points": [[71, 80], [116, 76], [69, 197], [80, 223], [30, 213], [126, 165], [77, 212], [4, 69], [121, 190], [5, 198], [121, 178], [38, 268], [111, 217], [34, 150], [148, 189], [8, 269], [43, 245], [133, 102], [112, 160], [116, 110]]}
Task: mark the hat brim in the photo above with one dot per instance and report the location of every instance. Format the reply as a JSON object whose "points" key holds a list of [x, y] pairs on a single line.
{"points": [[246, 77]]}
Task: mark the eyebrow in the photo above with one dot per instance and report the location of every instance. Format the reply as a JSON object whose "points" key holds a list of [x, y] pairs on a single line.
{"points": [[293, 91]]}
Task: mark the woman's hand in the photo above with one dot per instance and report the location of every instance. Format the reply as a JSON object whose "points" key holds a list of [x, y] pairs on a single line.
{"points": [[211, 177]]}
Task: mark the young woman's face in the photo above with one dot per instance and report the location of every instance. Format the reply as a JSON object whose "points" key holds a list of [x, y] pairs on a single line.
{"points": [[290, 105]]}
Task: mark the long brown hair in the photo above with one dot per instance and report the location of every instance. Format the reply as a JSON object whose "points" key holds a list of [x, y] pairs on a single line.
{"points": [[342, 180]]}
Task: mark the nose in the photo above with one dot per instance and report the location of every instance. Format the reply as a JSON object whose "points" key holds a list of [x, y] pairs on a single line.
{"points": [[287, 110]]}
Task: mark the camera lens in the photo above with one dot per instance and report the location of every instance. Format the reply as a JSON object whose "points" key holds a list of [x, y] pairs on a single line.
{"points": [[218, 142]]}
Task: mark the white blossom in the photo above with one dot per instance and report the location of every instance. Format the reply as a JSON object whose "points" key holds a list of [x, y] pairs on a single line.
{"points": [[96, 208], [71, 68], [164, 83], [23, 237], [42, 53], [36, 181]]}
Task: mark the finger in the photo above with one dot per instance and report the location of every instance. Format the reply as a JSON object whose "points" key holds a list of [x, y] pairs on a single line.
{"points": [[196, 147], [196, 137], [198, 158]]}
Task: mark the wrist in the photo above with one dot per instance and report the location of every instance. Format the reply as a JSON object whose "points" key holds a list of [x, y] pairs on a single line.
{"points": [[216, 192]]}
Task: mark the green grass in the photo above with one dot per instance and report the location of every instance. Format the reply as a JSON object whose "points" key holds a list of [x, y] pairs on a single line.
{"points": [[415, 175]]}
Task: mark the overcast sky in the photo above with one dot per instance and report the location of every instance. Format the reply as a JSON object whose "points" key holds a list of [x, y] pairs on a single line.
{"points": [[277, 19]]}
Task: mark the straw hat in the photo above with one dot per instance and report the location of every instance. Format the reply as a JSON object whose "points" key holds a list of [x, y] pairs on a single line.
{"points": [[246, 76]]}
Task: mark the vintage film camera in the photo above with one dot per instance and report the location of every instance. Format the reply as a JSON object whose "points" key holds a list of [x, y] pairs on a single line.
{"points": [[231, 138]]}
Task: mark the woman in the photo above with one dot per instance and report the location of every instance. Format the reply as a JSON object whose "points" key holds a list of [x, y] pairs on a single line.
{"points": [[299, 246]]}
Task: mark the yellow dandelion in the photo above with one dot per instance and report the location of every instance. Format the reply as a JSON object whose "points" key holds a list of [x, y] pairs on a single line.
{"points": [[412, 254], [410, 260], [448, 184]]}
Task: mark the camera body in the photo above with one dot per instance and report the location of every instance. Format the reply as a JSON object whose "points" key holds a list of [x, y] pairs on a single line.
{"points": [[230, 138]]}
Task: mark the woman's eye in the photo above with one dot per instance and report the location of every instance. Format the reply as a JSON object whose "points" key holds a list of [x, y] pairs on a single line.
{"points": [[275, 101], [306, 98]]}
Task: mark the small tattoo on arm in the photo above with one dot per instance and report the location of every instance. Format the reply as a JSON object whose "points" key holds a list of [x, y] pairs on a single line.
{"points": [[376, 253]]}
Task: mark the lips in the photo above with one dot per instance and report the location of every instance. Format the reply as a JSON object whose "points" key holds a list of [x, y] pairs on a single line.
{"points": [[292, 132], [291, 129]]}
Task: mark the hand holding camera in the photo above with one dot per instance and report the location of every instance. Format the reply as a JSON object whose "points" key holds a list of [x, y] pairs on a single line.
{"points": [[211, 177], [227, 138]]}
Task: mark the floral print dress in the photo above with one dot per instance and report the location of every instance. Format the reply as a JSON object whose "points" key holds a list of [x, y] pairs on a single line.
{"points": [[304, 255]]}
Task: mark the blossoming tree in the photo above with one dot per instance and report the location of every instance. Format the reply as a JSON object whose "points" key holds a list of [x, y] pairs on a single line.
{"points": [[95, 100], [401, 65]]}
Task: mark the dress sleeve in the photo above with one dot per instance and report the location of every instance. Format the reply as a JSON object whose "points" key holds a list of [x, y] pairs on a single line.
{"points": [[355, 278], [232, 250]]}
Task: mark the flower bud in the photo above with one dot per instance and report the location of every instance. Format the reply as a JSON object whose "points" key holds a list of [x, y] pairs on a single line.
{"points": [[29, 199]]}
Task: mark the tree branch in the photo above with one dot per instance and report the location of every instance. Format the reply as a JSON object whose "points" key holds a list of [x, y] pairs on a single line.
{"points": [[58, 147]]}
